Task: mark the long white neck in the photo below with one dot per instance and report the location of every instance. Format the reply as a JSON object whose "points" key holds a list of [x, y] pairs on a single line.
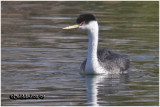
{"points": [[92, 60], [93, 44]]}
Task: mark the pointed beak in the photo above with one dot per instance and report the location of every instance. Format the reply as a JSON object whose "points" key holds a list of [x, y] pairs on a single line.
{"points": [[72, 27]]}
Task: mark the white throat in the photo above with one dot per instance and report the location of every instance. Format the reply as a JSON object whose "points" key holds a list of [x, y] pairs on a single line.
{"points": [[92, 65]]}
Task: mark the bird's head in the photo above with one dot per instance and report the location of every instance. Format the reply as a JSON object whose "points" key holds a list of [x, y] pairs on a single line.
{"points": [[85, 21]]}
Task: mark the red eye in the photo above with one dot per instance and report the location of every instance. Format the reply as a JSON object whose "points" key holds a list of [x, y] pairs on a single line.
{"points": [[83, 22]]}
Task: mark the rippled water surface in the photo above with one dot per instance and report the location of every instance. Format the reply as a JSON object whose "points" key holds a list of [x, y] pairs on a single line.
{"points": [[40, 58]]}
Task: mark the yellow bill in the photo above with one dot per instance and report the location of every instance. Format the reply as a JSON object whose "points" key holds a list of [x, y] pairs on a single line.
{"points": [[72, 27]]}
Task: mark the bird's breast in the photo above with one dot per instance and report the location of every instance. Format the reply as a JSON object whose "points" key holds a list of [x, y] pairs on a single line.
{"points": [[93, 67]]}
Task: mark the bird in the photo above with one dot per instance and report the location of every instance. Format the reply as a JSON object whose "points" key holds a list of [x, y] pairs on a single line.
{"points": [[101, 61]]}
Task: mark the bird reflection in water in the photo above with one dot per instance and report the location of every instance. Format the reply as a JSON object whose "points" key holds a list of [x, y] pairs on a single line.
{"points": [[104, 85]]}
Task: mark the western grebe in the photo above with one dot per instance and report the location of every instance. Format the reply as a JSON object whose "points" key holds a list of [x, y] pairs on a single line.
{"points": [[102, 61]]}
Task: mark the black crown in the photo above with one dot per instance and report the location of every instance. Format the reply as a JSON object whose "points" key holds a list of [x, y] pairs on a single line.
{"points": [[85, 17]]}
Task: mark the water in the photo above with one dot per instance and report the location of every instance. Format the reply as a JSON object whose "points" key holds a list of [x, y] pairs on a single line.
{"points": [[40, 58]]}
